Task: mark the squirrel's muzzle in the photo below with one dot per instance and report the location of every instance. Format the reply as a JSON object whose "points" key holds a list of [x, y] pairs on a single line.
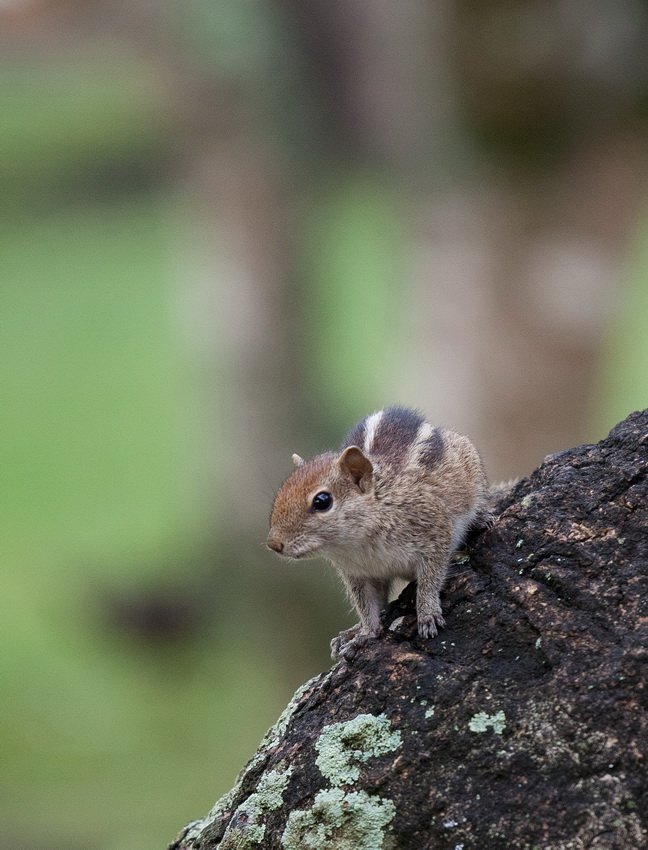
{"points": [[274, 544]]}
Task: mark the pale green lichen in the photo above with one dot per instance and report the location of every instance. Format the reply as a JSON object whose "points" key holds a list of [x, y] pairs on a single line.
{"points": [[269, 793], [339, 821], [526, 501], [342, 746], [429, 712], [481, 721], [246, 828]]}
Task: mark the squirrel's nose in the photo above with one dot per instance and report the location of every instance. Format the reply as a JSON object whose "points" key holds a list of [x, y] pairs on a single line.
{"points": [[276, 545]]}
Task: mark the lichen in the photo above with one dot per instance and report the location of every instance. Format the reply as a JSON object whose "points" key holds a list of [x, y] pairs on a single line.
{"points": [[429, 712], [481, 721], [246, 827], [339, 821], [269, 793], [342, 746]]}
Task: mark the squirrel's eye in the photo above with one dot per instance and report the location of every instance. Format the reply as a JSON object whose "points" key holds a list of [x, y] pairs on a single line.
{"points": [[322, 501]]}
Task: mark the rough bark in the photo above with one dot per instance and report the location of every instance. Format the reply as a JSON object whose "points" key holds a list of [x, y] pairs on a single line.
{"points": [[523, 725]]}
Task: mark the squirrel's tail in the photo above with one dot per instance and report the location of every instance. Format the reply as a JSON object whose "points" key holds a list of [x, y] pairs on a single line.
{"points": [[495, 494]]}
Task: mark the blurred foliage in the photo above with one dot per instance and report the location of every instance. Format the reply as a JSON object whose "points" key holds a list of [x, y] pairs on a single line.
{"points": [[70, 129], [99, 441], [623, 383], [92, 378], [352, 264], [250, 54], [238, 40]]}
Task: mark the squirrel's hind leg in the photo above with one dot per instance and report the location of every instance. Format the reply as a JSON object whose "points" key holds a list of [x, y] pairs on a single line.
{"points": [[429, 581]]}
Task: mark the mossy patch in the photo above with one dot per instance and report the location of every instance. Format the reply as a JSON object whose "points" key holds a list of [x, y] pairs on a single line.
{"points": [[339, 821], [481, 721], [247, 827], [343, 746]]}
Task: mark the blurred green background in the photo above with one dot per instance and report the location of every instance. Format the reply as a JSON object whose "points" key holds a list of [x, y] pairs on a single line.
{"points": [[227, 230]]}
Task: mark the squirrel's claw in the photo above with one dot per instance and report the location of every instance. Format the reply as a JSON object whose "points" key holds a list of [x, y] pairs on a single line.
{"points": [[428, 628], [348, 643]]}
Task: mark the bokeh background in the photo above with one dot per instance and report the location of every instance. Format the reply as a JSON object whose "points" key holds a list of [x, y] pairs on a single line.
{"points": [[228, 229]]}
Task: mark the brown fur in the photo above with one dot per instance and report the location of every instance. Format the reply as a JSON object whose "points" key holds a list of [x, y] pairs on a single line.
{"points": [[399, 510]]}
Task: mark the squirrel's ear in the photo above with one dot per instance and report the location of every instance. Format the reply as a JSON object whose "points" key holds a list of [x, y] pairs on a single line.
{"points": [[357, 466], [297, 460]]}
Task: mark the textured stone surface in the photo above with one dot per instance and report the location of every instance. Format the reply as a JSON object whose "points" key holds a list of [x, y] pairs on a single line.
{"points": [[523, 725]]}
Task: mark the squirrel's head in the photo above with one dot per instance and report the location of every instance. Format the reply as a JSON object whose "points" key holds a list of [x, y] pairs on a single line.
{"points": [[325, 504]]}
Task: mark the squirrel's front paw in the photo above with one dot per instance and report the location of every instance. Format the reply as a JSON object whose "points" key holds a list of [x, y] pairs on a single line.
{"points": [[348, 643], [427, 627], [343, 640]]}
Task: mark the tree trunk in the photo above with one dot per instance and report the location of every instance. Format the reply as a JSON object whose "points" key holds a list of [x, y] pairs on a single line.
{"points": [[523, 725]]}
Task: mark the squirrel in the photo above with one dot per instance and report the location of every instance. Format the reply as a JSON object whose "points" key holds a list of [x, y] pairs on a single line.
{"points": [[395, 501]]}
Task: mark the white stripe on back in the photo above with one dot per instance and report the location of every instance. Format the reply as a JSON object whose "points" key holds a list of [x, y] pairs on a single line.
{"points": [[424, 432], [371, 426]]}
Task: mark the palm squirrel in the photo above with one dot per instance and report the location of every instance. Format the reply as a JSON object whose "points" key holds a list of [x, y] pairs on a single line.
{"points": [[395, 501]]}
